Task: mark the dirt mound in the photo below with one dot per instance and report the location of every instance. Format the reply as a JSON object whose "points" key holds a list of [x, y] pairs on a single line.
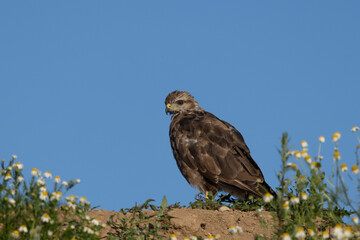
{"points": [[187, 222]]}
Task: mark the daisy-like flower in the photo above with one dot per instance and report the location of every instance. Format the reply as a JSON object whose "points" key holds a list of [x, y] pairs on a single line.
{"points": [[11, 201], [355, 169], [186, 238], [48, 174], [57, 179], [259, 210], [7, 177], [95, 221], [239, 229], [71, 204], [302, 178], [44, 196], [285, 236], [343, 167], [232, 230], [303, 196], [338, 232], [173, 237], [325, 235], [43, 189], [14, 156], [210, 237], [294, 200], [40, 181], [193, 237], [45, 218], [315, 165], [56, 196], [348, 233], [19, 166], [35, 172], [286, 205], [82, 200], [65, 183], [311, 232], [50, 233], [20, 179], [336, 156], [88, 230], [304, 153], [308, 159], [23, 229], [292, 165], [355, 129], [304, 144], [77, 180], [297, 154], [300, 233], [336, 137], [268, 197], [355, 220], [15, 234], [322, 139], [70, 198]]}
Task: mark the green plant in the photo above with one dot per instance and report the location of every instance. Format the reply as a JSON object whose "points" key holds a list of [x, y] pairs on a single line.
{"points": [[139, 223], [308, 202], [29, 210]]}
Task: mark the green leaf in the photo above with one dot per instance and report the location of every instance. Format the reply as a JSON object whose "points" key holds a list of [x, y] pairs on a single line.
{"points": [[163, 203]]}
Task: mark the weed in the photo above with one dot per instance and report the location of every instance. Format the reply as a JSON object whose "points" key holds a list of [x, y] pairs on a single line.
{"points": [[29, 210], [139, 223]]}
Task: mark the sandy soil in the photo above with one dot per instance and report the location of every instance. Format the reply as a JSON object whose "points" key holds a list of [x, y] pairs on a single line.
{"points": [[187, 222]]}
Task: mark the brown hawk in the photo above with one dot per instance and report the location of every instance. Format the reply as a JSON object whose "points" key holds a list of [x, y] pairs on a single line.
{"points": [[210, 153]]}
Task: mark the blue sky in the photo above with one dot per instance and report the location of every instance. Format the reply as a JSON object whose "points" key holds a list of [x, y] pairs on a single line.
{"points": [[83, 83]]}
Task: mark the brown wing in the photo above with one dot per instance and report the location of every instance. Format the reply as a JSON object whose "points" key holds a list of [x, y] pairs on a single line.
{"points": [[217, 151]]}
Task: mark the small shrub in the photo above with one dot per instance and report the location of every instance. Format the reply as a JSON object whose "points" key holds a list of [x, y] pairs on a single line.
{"points": [[30, 210], [138, 223], [310, 204]]}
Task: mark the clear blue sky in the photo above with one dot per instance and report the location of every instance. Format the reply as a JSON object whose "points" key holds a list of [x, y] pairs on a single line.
{"points": [[83, 83]]}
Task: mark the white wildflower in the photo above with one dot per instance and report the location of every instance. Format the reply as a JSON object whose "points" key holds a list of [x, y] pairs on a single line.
{"points": [[11, 201], [7, 177], [285, 236], [23, 228], [300, 233], [355, 129], [57, 179], [45, 218], [268, 197], [304, 196], [48, 174], [294, 200], [95, 221], [15, 234], [44, 196]]}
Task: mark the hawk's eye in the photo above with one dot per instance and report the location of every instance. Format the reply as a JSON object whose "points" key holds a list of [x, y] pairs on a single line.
{"points": [[180, 102]]}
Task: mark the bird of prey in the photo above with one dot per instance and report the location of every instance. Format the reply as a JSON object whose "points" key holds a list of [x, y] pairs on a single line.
{"points": [[210, 153]]}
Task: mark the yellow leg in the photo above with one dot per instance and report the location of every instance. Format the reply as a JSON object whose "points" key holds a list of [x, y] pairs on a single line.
{"points": [[206, 194]]}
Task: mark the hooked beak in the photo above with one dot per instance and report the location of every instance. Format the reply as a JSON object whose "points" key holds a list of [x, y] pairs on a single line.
{"points": [[169, 109]]}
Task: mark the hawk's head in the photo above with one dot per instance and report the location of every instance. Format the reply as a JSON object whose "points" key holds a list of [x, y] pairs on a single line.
{"points": [[180, 101]]}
